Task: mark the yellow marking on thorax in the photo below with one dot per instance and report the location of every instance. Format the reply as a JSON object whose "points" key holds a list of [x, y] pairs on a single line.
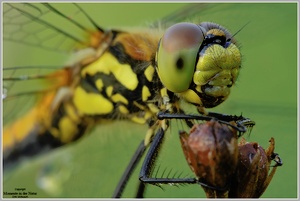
{"points": [[70, 110], [145, 93], [119, 98], [139, 120], [149, 73], [148, 115], [141, 107], [153, 108], [107, 64], [90, 103], [99, 84], [67, 128], [163, 92], [123, 109], [109, 90]]}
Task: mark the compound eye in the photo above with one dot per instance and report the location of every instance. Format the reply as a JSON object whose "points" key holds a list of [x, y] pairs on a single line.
{"points": [[177, 54]]}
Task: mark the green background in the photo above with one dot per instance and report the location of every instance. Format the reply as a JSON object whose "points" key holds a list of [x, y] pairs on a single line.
{"points": [[266, 92]]}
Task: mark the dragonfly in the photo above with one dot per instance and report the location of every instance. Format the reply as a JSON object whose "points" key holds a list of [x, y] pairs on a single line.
{"points": [[116, 75]]}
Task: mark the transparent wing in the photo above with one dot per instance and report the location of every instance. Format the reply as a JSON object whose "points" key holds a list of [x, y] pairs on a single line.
{"points": [[34, 31], [188, 13], [46, 25], [29, 28]]}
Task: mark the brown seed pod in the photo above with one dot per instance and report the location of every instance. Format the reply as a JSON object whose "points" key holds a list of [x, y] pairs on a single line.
{"points": [[211, 152], [252, 175]]}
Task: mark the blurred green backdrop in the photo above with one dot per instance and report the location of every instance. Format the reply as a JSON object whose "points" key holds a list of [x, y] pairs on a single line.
{"points": [[266, 92]]}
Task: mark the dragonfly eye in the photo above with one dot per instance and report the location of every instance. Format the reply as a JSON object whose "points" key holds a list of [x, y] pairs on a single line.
{"points": [[177, 55]]}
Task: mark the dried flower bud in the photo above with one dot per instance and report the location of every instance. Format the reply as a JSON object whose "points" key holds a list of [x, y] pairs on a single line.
{"points": [[252, 174], [211, 152]]}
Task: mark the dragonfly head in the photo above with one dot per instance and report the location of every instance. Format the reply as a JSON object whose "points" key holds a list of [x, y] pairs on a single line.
{"points": [[200, 63]]}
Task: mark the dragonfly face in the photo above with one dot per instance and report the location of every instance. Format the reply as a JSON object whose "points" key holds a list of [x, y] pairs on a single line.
{"points": [[198, 62]]}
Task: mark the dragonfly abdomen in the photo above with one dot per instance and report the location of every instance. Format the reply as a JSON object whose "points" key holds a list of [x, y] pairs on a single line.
{"points": [[36, 131]]}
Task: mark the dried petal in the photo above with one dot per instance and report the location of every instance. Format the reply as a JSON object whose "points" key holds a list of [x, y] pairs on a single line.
{"points": [[252, 175]]}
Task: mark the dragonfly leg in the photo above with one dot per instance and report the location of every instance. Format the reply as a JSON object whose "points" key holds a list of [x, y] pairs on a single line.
{"points": [[149, 162], [238, 119]]}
